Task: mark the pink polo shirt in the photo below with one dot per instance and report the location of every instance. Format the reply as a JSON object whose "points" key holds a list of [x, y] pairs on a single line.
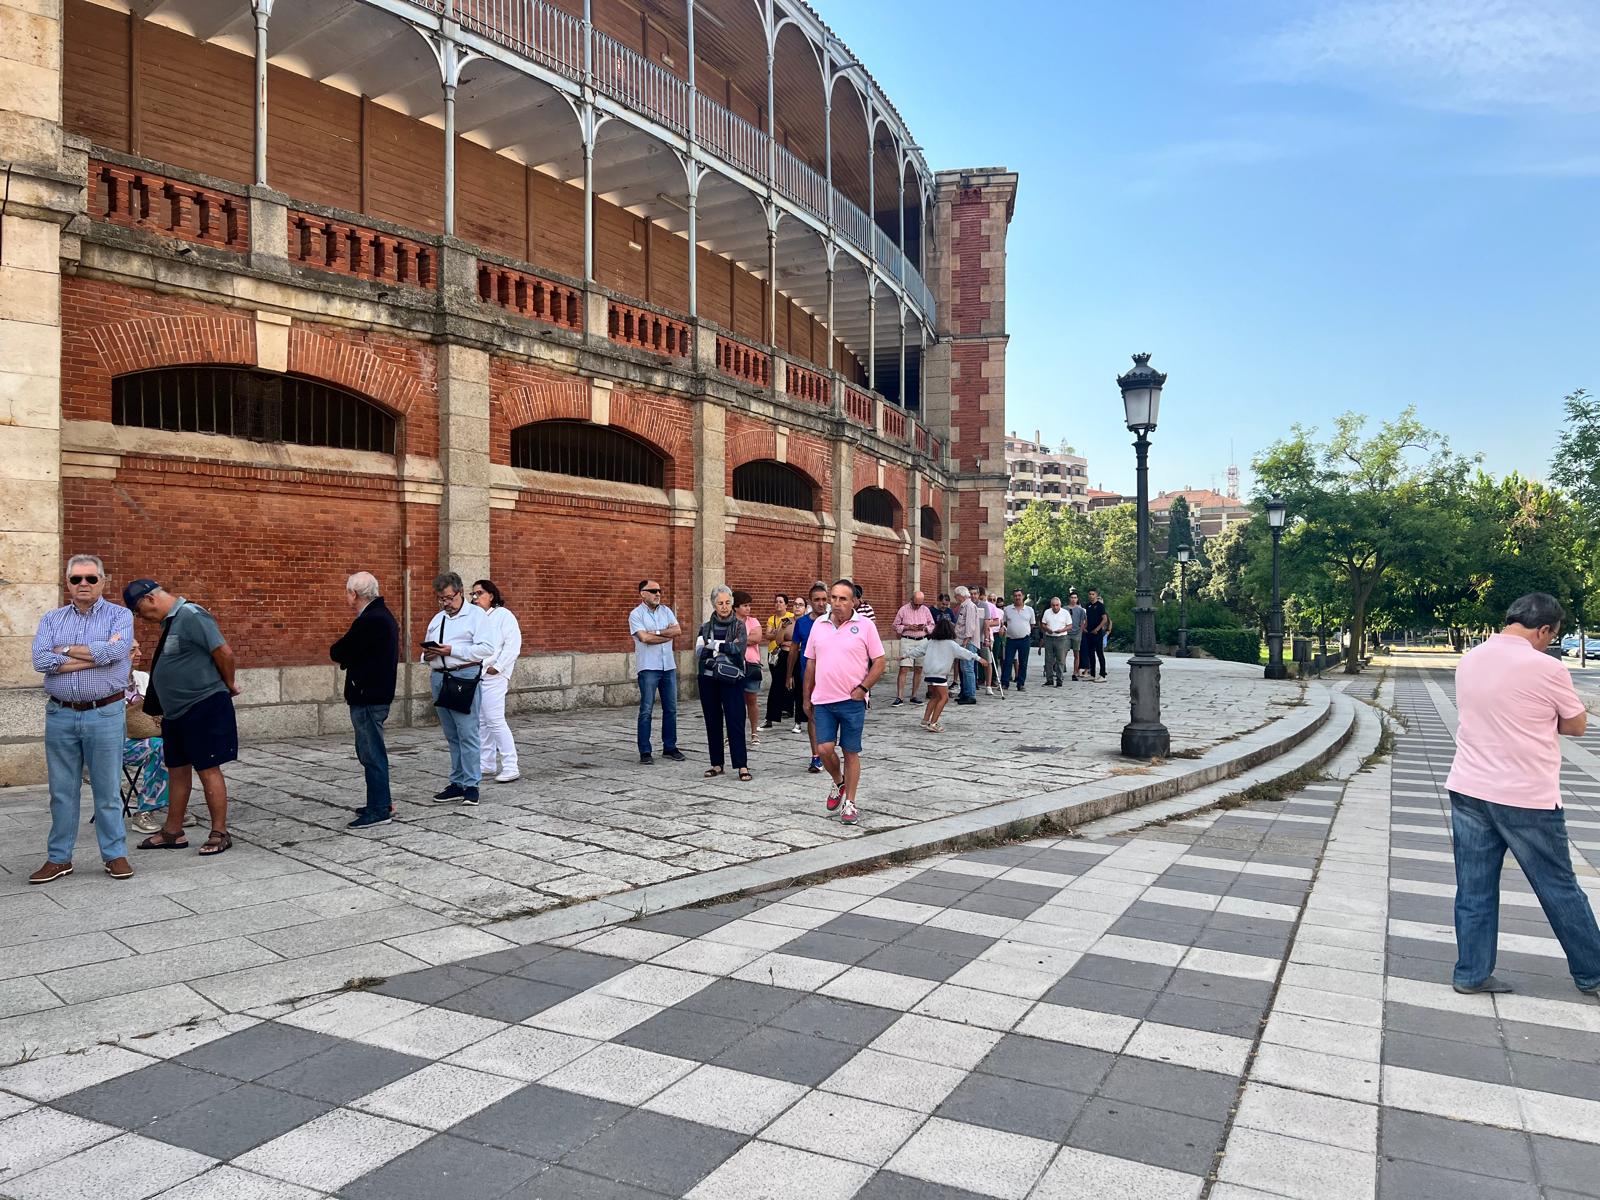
{"points": [[842, 654], [1509, 696]]}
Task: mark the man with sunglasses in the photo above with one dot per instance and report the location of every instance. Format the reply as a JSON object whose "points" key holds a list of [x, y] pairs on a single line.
{"points": [[652, 626], [82, 650]]}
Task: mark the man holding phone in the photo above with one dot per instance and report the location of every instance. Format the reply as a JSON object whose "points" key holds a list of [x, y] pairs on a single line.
{"points": [[456, 645]]}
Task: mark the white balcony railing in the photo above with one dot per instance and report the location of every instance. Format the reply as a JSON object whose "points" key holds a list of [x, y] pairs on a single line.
{"points": [[642, 85]]}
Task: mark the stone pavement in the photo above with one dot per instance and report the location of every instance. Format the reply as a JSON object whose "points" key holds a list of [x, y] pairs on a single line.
{"points": [[1250, 1002], [302, 905]]}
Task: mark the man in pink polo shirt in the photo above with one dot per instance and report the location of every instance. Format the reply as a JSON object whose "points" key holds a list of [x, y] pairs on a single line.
{"points": [[1515, 702], [844, 656]]}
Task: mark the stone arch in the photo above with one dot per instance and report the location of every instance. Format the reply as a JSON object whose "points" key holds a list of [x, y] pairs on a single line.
{"points": [[147, 343]]}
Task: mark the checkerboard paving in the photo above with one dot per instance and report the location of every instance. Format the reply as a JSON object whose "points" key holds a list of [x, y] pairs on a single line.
{"points": [[1251, 1002]]}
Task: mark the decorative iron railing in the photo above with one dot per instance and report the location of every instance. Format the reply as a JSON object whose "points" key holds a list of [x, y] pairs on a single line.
{"points": [[642, 85], [800, 183]]}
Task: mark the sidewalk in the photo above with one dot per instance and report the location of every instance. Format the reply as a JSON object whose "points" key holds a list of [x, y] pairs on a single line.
{"points": [[1249, 1003], [302, 905]]}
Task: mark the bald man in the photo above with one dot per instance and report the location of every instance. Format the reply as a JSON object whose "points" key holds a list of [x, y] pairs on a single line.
{"points": [[368, 654]]}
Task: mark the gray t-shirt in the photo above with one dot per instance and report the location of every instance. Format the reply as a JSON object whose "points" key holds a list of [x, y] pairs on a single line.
{"points": [[1078, 617], [185, 674]]}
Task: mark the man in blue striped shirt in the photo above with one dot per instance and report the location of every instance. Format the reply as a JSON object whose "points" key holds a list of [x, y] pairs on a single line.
{"points": [[82, 650]]}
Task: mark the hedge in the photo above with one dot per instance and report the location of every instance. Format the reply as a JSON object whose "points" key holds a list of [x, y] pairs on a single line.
{"points": [[1235, 645]]}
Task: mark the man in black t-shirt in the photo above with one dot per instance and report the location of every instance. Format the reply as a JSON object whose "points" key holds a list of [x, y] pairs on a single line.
{"points": [[1095, 625]]}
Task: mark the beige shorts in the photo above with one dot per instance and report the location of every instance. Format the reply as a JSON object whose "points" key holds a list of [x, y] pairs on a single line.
{"points": [[912, 650]]}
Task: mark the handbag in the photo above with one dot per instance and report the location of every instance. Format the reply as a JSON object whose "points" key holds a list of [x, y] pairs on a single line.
{"points": [[456, 692], [722, 668]]}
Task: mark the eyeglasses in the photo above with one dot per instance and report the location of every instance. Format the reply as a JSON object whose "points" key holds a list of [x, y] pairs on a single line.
{"points": [[476, 593], [83, 579], [445, 597], [651, 591]]}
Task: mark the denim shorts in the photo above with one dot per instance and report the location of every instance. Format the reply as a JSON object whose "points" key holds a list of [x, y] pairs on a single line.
{"points": [[841, 722], [752, 683]]}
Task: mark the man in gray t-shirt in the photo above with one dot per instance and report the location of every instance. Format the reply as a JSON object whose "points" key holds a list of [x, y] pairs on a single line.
{"points": [[191, 689], [1075, 637]]}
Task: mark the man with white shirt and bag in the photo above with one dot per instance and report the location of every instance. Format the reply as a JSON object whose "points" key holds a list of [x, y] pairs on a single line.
{"points": [[455, 648]]}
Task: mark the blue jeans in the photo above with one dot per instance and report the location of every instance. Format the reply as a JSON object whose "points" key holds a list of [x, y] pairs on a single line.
{"points": [[664, 684], [73, 740], [367, 720], [1537, 839], [461, 732], [969, 674], [1017, 650]]}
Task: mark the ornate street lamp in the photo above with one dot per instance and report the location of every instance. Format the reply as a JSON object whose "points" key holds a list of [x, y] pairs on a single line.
{"points": [[1277, 513], [1144, 736], [1033, 574], [1183, 600]]}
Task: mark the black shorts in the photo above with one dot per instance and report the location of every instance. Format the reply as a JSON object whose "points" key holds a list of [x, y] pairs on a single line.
{"points": [[205, 736]]}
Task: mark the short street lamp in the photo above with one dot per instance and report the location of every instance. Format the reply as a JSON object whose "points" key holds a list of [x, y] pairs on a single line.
{"points": [[1144, 736], [1277, 511], [1183, 601], [1033, 574]]}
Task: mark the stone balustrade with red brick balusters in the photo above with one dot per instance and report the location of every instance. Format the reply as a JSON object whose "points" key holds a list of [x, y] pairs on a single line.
{"points": [[647, 330], [858, 405], [802, 383], [530, 296], [744, 362], [328, 244], [894, 423], [142, 199]]}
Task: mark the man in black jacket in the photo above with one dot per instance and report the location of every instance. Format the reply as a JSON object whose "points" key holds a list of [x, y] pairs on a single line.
{"points": [[368, 654]]}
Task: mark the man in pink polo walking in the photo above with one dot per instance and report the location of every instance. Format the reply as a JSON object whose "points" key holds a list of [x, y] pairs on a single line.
{"points": [[844, 655]]}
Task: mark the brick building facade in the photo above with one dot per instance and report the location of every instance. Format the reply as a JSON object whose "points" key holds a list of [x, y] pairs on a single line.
{"points": [[387, 334]]}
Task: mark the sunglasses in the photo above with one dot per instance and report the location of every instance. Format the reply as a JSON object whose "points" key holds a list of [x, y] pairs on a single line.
{"points": [[651, 591], [83, 579]]}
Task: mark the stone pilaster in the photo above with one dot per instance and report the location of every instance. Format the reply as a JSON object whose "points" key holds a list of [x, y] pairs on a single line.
{"points": [[844, 509], [42, 194], [914, 530], [711, 496], [464, 461]]}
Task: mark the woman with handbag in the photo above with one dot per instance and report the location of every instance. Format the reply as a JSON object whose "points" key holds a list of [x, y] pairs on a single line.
{"points": [[720, 655], [753, 674]]}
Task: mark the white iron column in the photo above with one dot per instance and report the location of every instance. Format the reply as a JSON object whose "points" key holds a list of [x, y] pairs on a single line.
{"points": [[694, 234], [872, 329], [261, 10], [901, 395]]}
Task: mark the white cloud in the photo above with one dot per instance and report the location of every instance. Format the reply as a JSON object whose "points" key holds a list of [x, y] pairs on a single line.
{"points": [[1459, 55]]}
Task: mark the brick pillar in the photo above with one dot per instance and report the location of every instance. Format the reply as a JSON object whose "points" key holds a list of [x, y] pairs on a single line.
{"points": [[711, 497], [844, 509], [464, 461], [44, 190], [965, 393]]}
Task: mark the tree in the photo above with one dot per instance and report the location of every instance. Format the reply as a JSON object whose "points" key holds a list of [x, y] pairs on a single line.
{"points": [[1179, 530], [1366, 505], [1576, 466]]}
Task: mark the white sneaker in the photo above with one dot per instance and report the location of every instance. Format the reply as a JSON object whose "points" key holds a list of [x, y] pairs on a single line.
{"points": [[507, 776], [799, 729], [849, 815]]}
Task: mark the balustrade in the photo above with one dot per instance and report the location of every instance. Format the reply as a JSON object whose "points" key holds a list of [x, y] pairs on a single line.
{"points": [[541, 31], [801, 184], [858, 405], [642, 85], [744, 362], [142, 199], [802, 383], [348, 249], [530, 296], [894, 423], [647, 330]]}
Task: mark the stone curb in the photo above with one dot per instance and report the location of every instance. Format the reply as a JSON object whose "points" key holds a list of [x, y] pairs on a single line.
{"points": [[1013, 819]]}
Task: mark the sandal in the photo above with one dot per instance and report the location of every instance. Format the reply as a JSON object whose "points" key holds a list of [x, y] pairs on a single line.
{"points": [[217, 841], [744, 774], [162, 840], [713, 773]]}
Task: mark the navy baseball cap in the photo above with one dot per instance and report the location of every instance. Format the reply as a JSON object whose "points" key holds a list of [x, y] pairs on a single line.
{"points": [[138, 590]]}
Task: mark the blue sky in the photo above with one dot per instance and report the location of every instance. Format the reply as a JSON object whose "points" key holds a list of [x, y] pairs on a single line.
{"points": [[1298, 208]]}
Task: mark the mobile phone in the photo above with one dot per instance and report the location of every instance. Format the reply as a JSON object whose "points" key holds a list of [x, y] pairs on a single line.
{"points": [[431, 645]]}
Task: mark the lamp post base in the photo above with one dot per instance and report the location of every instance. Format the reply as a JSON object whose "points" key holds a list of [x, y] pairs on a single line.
{"points": [[1145, 741], [1276, 670]]}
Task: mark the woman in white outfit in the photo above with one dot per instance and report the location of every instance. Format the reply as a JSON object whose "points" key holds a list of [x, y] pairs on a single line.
{"points": [[503, 633]]}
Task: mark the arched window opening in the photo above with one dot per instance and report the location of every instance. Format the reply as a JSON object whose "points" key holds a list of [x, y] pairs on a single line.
{"points": [[931, 528], [767, 482], [586, 451], [874, 506], [258, 405]]}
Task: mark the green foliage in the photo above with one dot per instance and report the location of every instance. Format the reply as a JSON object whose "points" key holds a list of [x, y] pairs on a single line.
{"points": [[1576, 466], [1071, 551], [1179, 530], [1233, 644]]}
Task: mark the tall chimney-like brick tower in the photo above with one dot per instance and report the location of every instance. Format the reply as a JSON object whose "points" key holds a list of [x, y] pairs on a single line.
{"points": [[965, 396]]}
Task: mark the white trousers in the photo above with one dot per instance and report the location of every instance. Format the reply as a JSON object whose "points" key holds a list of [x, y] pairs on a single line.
{"points": [[494, 735]]}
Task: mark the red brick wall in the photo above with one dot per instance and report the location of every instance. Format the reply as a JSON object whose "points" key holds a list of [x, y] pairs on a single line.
{"points": [[570, 568], [879, 569], [933, 571], [766, 557], [967, 545], [267, 551]]}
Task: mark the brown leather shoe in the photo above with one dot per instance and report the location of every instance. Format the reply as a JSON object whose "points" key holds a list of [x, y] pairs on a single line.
{"points": [[119, 868], [50, 870]]}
